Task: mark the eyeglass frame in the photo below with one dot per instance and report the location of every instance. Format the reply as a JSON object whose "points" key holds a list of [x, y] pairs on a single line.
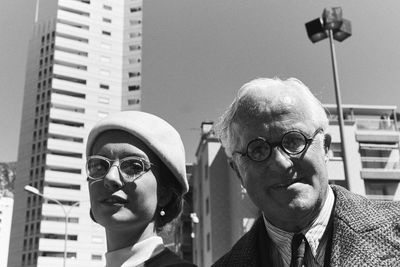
{"points": [[308, 141], [147, 165]]}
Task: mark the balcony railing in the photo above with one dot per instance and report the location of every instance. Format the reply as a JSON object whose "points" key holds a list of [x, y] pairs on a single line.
{"points": [[380, 163], [375, 124], [381, 197]]}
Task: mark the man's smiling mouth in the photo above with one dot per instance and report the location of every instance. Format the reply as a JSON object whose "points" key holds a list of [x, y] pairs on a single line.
{"points": [[287, 184]]}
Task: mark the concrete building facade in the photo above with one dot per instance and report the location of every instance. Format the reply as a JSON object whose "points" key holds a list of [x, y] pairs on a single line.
{"points": [[6, 208], [224, 210], [372, 145], [84, 63]]}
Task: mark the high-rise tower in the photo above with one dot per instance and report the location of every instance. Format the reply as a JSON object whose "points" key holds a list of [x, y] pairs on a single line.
{"points": [[84, 63]]}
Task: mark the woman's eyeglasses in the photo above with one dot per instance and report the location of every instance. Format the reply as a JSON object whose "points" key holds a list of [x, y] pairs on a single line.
{"points": [[130, 168]]}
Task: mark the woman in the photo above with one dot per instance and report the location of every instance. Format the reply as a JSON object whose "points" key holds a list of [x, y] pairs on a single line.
{"points": [[136, 174]]}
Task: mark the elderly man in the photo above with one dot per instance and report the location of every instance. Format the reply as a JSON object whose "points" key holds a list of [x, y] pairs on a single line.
{"points": [[274, 134]]}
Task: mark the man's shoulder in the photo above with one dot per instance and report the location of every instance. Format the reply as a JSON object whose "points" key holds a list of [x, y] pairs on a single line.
{"points": [[244, 251], [364, 230], [361, 213]]}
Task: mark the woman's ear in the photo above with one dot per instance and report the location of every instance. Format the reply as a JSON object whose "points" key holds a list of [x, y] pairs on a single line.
{"points": [[164, 197]]}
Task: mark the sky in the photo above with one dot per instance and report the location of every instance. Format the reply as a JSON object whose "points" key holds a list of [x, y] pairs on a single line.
{"points": [[198, 53]]}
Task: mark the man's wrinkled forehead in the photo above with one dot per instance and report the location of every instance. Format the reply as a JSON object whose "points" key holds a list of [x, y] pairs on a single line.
{"points": [[271, 102]]}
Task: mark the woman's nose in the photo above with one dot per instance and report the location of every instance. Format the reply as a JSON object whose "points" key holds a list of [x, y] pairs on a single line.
{"points": [[112, 180]]}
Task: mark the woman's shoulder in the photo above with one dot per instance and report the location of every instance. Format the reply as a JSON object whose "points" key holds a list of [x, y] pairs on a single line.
{"points": [[167, 258]]}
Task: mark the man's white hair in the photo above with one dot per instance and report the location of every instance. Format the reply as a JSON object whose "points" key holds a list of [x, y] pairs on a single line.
{"points": [[223, 128]]}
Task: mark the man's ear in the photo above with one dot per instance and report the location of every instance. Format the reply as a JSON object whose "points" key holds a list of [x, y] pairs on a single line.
{"points": [[327, 142], [233, 166]]}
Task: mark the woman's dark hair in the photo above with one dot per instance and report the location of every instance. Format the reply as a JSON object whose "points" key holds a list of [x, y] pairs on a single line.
{"points": [[167, 182]]}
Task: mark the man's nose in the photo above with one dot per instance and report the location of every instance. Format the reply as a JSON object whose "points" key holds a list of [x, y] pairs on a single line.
{"points": [[279, 160], [112, 180]]}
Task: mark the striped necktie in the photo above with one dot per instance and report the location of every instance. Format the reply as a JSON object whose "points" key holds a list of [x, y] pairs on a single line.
{"points": [[298, 250]]}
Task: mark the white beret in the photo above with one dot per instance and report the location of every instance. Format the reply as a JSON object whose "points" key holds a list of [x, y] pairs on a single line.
{"points": [[155, 132]]}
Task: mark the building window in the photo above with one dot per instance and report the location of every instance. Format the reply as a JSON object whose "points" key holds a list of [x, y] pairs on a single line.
{"points": [[106, 33], [208, 242], [207, 206], [335, 150], [107, 7], [134, 22], [134, 34], [104, 86], [135, 9], [133, 87], [133, 74], [96, 257], [381, 189], [69, 79], [133, 101], [106, 20], [134, 47], [134, 60], [379, 156]]}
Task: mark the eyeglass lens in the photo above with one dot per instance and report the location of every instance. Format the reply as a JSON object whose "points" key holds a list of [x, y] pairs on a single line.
{"points": [[98, 167], [292, 143]]}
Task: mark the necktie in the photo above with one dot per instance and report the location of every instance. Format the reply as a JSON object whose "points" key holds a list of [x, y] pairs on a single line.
{"points": [[298, 250]]}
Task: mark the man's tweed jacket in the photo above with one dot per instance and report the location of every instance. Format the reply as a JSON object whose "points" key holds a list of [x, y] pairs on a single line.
{"points": [[365, 233]]}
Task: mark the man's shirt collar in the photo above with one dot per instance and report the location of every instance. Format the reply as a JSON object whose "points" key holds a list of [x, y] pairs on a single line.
{"points": [[313, 233]]}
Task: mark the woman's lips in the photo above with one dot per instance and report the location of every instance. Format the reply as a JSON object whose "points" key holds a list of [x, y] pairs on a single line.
{"points": [[114, 200]]}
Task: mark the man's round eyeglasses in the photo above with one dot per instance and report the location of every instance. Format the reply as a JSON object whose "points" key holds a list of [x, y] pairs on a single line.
{"points": [[292, 143], [130, 168]]}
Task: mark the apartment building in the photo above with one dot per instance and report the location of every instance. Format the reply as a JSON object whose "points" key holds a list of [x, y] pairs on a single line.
{"points": [[84, 63], [183, 233], [223, 210], [372, 147]]}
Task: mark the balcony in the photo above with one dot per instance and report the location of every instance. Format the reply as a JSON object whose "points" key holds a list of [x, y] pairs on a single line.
{"points": [[62, 194], [65, 85], [74, 16], [65, 145], [384, 174], [60, 129], [387, 163], [375, 124], [54, 176], [63, 161]]}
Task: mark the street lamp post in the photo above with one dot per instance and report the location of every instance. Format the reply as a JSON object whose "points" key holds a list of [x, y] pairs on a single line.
{"points": [[334, 26], [35, 191]]}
